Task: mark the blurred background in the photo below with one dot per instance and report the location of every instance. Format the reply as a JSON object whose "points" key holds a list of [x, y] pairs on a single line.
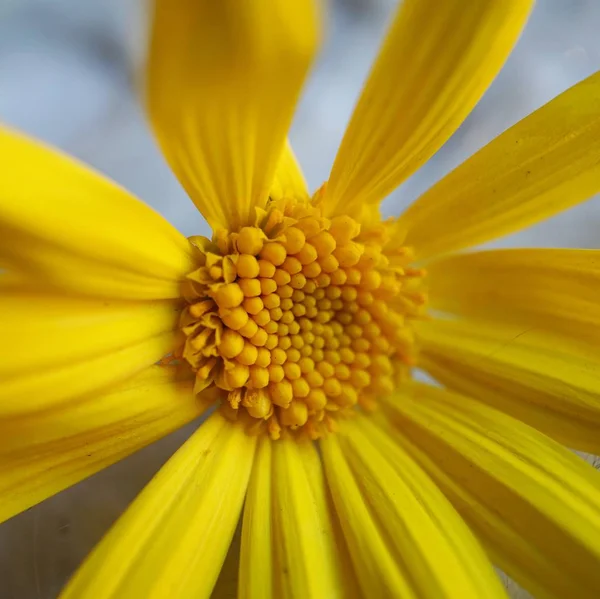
{"points": [[67, 73]]}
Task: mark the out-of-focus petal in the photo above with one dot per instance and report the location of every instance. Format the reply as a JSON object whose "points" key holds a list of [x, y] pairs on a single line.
{"points": [[223, 80], [173, 539], [67, 227]]}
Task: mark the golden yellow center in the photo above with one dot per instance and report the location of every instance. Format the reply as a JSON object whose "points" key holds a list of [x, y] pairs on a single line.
{"points": [[300, 318]]}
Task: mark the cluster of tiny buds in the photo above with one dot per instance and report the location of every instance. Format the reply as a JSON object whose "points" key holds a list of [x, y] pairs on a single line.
{"points": [[298, 319]]}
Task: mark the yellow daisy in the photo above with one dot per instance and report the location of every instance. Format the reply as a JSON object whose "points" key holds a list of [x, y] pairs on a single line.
{"points": [[299, 326]]}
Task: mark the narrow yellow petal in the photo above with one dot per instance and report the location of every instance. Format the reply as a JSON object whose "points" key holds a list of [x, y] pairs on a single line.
{"points": [[41, 330], [306, 563], [378, 571], [534, 504], [553, 289], [289, 180], [29, 392], [405, 538], [256, 556], [173, 539], [315, 474], [518, 400], [545, 163], [436, 62], [290, 543], [545, 380], [223, 80], [68, 227], [47, 451], [57, 348]]}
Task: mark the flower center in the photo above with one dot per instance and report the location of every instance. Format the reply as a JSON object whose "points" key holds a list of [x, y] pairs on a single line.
{"points": [[300, 318]]}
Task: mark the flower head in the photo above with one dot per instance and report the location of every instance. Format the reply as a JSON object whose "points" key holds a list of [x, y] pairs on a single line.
{"points": [[301, 321], [300, 318]]}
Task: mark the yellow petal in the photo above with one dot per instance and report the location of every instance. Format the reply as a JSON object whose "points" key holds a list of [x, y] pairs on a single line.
{"points": [[377, 570], [301, 548], [28, 392], [271, 557], [544, 380], [555, 289], [68, 227], [317, 481], [436, 62], [256, 556], [56, 348], [289, 180], [223, 80], [173, 539], [405, 538], [545, 163], [47, 451], [534, 504], [42, 330]]}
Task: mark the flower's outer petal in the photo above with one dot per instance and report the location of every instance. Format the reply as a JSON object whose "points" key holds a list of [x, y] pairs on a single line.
{"points": [[342, 564], [544, 380], [173, 539], [44, 332], [256, 568], [29, 392], [289, 546], [223, 80], [405, 538], [545, 163], [50, 450], [436, 62], [68, 227], [289, 180], [56, 348], [377, 570], [534, 504], [552, 289]]}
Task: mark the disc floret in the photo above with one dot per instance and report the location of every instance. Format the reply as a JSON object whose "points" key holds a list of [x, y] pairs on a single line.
{"points": [[300, 318]]}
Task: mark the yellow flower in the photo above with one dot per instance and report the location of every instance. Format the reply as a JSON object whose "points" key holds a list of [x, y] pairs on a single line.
{"points": [[301, 321]]}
